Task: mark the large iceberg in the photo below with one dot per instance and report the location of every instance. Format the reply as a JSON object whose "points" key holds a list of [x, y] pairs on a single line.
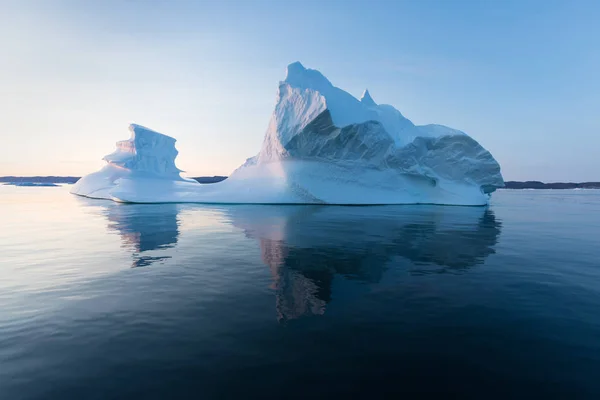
{"points": [[322, 146]]}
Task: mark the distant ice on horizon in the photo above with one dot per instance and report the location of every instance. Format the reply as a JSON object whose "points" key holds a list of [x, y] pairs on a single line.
{"points": [[322, 146], [32, 184]]}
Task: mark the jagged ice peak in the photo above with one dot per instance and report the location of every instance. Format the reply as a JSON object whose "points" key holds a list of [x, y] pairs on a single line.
{"points": [[366, 99]]}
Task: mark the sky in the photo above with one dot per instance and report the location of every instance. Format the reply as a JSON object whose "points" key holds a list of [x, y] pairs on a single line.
{"points": [[521, 77]]}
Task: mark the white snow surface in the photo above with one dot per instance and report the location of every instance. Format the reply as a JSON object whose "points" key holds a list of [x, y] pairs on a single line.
{"points": [[322, 146]]}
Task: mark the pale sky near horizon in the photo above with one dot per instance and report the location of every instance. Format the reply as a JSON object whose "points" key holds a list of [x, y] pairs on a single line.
{"points": [[521, 77]]}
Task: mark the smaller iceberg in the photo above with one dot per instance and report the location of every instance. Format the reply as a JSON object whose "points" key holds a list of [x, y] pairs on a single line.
{"points": [[144, 164]]}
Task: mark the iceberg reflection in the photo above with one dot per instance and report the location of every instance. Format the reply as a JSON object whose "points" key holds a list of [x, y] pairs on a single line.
{"points": [[145, 227], [305, 247]]}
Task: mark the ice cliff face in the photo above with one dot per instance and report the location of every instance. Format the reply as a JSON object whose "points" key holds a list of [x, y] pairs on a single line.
{"points": [[322, 146]]}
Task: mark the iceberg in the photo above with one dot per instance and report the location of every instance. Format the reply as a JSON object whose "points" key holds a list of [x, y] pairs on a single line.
{"points": [[139, 168], [322, 146]]}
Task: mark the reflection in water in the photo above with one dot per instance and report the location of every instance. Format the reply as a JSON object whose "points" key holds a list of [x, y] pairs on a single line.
{"points": [[306, 246], [145, 227]]}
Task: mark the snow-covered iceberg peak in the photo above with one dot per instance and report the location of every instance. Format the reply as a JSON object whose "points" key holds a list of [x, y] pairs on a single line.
{"points": [[299, 76], [322, 146]]}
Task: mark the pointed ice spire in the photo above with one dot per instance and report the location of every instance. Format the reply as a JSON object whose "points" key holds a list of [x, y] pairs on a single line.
{"points": [[366, 99]]}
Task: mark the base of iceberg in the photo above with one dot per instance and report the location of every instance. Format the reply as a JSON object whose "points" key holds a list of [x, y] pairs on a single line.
{"points": [[287, 182], [322, 146]]}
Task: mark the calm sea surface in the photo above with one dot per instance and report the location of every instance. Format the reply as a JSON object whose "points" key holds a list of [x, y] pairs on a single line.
{"points": [[101, 300]]}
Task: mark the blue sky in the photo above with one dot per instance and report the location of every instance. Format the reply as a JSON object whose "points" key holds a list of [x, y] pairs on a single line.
{"points": [[521, 77]]}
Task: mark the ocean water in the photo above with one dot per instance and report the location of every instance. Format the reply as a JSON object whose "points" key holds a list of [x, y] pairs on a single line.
{"points": [[101, 300]]}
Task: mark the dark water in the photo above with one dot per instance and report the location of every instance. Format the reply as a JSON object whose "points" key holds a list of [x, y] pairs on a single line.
{"points": [[100, 300]]}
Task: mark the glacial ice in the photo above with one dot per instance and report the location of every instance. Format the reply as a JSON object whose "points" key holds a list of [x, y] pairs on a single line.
{"points": [[322, 146]]}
